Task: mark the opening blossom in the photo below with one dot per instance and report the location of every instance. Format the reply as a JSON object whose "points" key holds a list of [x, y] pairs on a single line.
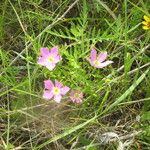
{"points": [[49, 58], [76, 96], [56, 90], [99, 61], [146, 23]]}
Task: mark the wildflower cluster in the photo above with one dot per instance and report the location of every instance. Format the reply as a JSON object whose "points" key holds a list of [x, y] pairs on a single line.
{"points": [[49, 59]]}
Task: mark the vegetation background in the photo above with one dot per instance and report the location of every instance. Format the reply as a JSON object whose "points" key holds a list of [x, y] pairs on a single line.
{"points": [[115, 112]]}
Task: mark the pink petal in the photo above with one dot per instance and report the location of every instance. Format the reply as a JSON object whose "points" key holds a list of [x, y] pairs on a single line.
{"points": [[57, 98], [81, 95], [78, 101], [48, 84], [92, 63], [47, 94], [42, 61], [58, 84], [64, 90], [102, 56], [54, 51], [44, 51], [50, 65], [57, 58], [93, 55], [104, 64], [72, 93]]}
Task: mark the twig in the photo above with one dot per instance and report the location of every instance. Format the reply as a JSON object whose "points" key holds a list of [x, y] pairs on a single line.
{"points": [[133, 71], [122, 67]]}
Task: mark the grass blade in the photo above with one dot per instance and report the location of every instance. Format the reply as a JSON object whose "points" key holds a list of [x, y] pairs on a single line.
{"points": [[129, 91], [65, 133]]}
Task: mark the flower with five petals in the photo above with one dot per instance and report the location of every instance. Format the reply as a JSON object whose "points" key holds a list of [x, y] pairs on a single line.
{"points": [[56, 90], [100, 60], [49, 58]]}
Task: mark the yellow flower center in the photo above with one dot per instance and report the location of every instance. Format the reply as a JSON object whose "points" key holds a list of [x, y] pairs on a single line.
{"points": [[50, 59], [76, 95], [56, 90], [97, 62]]}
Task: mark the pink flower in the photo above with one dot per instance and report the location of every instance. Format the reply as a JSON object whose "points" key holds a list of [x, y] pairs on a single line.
{"points": [[98, 61], [76, 96], [49, 58], [56, 90]]}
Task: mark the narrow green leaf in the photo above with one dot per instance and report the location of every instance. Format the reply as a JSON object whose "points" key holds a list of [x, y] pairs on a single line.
{"points": [[129, 91]]}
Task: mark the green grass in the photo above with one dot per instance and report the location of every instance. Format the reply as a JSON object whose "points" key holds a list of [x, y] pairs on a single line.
{"points": [[116, 98]]}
